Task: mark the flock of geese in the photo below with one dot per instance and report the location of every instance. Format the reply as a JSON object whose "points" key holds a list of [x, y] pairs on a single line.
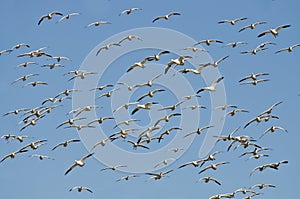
{"points": [[32, 116]]}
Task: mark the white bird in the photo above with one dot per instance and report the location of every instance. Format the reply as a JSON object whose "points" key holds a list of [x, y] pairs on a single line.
{"points": [[172, 107], [194, 49], [254, 51], [34, 145], [114, 168], [129, 38], [100, 88], [272, 129], [17, 46], [60, 58], [215, 63], [269, 110], [164, 162], [13, 154], [66, 92], [143, 106], [179, 61], [126, 106], [274, 31], [49, 16], [224, 107], [262, 45], [234, 111], [129, 11], [233, 21], [166, 118], [289, 49], [35, 83], [82, 75], [212, 87], [25, 64], [208, 42], [52, 66], [150, 94], [140, 64], [68, 16], [126, 122], [5, 51], [100, 120], [253, 76], [64, 144], [98, 23], [24, 78], [235, 44], [79, 163], [156, 57], [213, 166], [149, 82], [136, 144], [157, 176], [107, 47], [251, 26], [167, 132], [166, 17], [15, 112], [109, 93], [261, 186], [199, 131], [255, 82], [208, 179], [126, 178], [41, 157], [81, 188]]}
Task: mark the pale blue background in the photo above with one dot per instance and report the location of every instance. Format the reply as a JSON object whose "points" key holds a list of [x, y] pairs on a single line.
{"points": [[31, 178]]}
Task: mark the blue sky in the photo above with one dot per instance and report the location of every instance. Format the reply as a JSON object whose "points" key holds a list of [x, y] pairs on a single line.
{"points": [[29, 177]]}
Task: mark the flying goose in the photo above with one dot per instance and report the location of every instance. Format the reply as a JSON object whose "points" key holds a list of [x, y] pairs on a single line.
{"points": [[25, 64], [258, 156], [140, 64], [68, 16], [70, 121], [212, 87], [149, 82], [136, 144], [24, 78], [254, 151], [143, 106], [274, 31], [194, 49], [98, 23], [114, 168], [150, 94], [79, 163], [195, 163], [41, 157], [208, 42], [224, 107], [233, 21], [156, 57], [216, 63], [188, 70], [172, 107], [60, 58], [193, 107], [198, 131], [100, 120], [179, 61], [49, 16], [129, 38], [289, 49], [79, 126], [243, 191], [269, 110], [130, 88], [5, 51], [227, 137], [126, 178], [262, 45], [13, 154], [164, 162], [54, 100], [189, 97], [82, 75], [253, 76], [166, 17], [271, 165], [102, 142], [157, 176], [261, 186], [34, 145], [106, 47], [234, 111], [235, 44], [15, 112], [208, 179], [254, 51], [7, 136], [255, 82], [129, 11], [52, 66], [210, 157], [20, 138], [122, 133], [31, 122], [213, 166], [81, 188], [100, 88], [35, 83], [126, 122], [109, 93], [17, 46], [272, 129], [64, 144], [126, 106], [166, 118], [167, 132], [251, 26]]}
